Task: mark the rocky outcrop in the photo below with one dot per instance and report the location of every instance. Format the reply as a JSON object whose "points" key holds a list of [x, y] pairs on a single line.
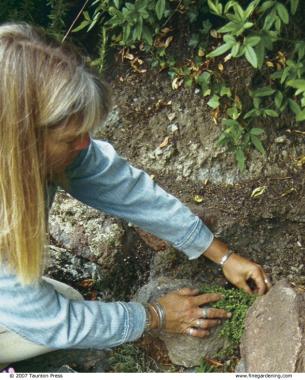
{"points": [[274, 338], [89, 245]]}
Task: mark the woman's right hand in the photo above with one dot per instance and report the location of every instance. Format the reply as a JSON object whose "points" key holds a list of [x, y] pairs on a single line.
{"points": [[184, 314]]}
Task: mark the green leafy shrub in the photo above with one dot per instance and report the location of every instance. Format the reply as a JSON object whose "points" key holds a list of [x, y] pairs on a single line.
{"points": [[267, 34], [251, 30]]}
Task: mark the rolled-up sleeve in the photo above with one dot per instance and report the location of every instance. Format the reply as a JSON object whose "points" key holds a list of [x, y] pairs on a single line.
{"points": [[42, 315], [102, 179]]}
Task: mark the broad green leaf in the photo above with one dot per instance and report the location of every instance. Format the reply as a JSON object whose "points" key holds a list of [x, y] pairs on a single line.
{"points": [[256, 131], [144, 13], [229, 5], [214, 7], [81, 26], [228, 38], [278, 24], [230, 27], [271, 113], [300, 116], [160, 8], [260, 54], [223, 138], [205, 77], [269, 21], [225, 91], [252, 41], [300, 49], [86, 16], [257, 102], [219, 8], [147, 35], [251, 56], [251, 8], [240, 158], [214, 101], [233, 112], [220, 50], [231, 123], [117, 3], [284, 75], [263, 91], [92, 25], [188, 82], [235, 49], [137, 32], [278, 100], [248, 25], [282, 12], [239, 12], [126, 33], [257, 143], [266, 5], [294, 6], [297, 83], [251, 113]]}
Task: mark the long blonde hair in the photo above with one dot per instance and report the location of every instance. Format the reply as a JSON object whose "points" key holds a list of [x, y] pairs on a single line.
{"points": [[42, 84]]}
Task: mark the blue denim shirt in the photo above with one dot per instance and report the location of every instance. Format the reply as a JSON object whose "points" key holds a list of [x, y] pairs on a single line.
{"points": [[100, 178]]}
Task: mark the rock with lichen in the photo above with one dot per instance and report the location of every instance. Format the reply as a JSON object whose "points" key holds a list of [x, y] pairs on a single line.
{"points": [[90, 245]]}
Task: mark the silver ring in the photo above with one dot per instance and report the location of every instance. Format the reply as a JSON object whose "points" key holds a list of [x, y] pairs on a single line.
{"points": [[190, 331], [205, 311], [198, 322]]}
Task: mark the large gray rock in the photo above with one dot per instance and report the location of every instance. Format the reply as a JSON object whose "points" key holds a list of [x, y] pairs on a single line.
{"points": [[84, 231], [274, 338], [89, 245], [182, 350]]}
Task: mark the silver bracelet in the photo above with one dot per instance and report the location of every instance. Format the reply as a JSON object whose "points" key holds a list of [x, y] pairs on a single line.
{"points": [[226, 257], [147, 326], [159, 309]]}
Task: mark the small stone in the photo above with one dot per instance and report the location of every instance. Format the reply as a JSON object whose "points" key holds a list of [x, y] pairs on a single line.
{"points": [[172, 128], [65, 369], [280, 139]]}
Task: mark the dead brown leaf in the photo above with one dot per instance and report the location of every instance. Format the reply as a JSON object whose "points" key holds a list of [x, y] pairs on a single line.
{"points": [[176, 83], [164, 142], [214, 363], [87, 283]]}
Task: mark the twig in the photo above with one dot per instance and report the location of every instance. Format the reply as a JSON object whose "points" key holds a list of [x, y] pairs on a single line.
{"points": [[74, 21]]}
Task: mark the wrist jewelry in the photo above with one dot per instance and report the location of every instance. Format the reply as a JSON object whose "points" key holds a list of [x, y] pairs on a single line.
{"points": [[160, 312], [147, 326], [225, 258]]}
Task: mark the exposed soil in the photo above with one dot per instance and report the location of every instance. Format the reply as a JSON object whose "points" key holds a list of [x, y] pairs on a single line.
{"points": [[269, 228]]}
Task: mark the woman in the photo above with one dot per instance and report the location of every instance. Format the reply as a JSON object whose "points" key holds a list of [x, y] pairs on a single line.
{"points": [[49, 103]]}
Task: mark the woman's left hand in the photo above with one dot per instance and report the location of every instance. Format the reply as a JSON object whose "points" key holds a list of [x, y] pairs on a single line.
{"points": [[239, 270]]}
